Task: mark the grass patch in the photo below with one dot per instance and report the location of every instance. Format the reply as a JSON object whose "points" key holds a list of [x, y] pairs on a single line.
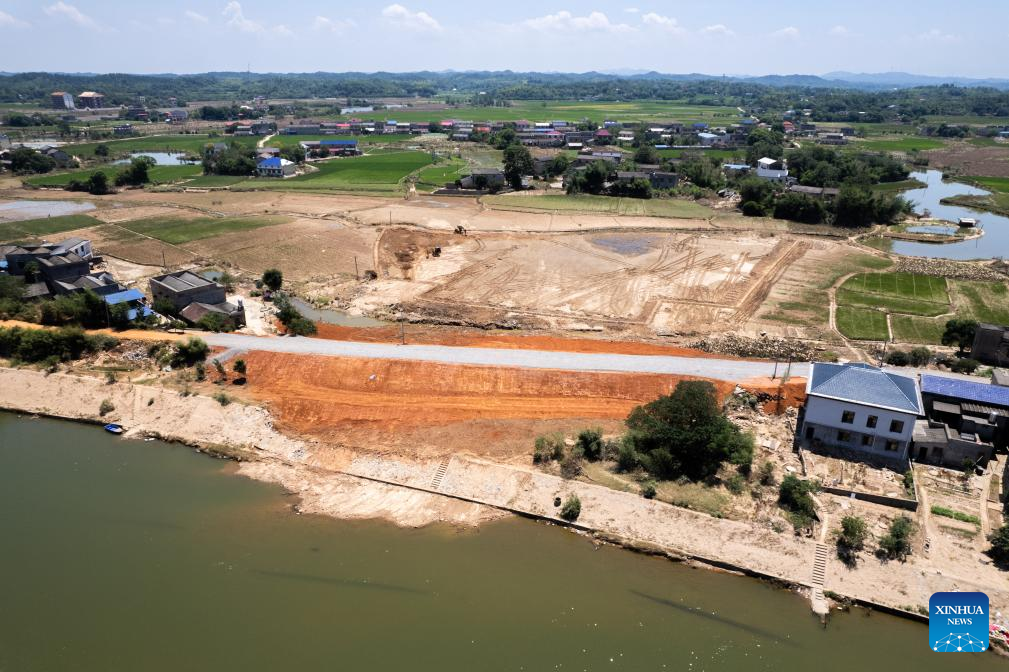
{"points": [[907, 144], [982, 301], [910, 329], [383, 139], [434, 177], [906, 293], [955, 515], [694, 496], [176, 231], [379, 172], [215, 180], [34, 228], [903, 185], [862, 324], [158, 175], [673, 208], [155, 143]]}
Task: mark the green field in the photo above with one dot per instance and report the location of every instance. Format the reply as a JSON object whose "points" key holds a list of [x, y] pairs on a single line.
{"points": [[723, 154], [561, 110], [862, 324], [155, 143], [434, 176], [294, 140], [215, 180], [379, 172], [905, 293], [158, 175], [906, 144], [982, 301], [999, 184], [675, 208], [910, 329], [37, 228], [176, 231]]}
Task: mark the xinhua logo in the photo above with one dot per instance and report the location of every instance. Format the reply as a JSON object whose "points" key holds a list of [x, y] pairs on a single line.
{"points": [[958, 622]]}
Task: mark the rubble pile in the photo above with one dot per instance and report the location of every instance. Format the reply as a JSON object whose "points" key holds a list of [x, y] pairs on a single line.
{"points": [[945, 268], [765, 348]]}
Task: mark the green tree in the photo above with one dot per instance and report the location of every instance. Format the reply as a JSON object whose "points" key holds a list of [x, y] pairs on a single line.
{"points": [[590, 443], [896, 543], [98, 183], [295, 153], [799, 208], [190, 351], [854, 207], [240, 367], [273, 279], [999, 550], [572, 508], [137, 173], [851, 538], [518, 162], [646, 154], [102, 150], [794, 495], [959, 332], [920, 356], [685, 434]]}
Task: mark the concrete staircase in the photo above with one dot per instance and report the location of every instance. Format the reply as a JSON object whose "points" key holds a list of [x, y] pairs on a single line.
{"points": [[439, 474], [817, 599]]}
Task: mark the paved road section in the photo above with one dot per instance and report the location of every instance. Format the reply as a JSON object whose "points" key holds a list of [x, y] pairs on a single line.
{"points": [[719, 369]]}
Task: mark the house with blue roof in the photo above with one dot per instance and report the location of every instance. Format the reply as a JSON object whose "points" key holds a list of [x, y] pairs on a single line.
{"points": [[275, 166], [135, 301], [967, 420], [862, 409]]}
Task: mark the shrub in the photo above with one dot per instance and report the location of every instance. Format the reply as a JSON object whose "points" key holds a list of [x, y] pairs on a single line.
{"points": [[794, 496], [735, 483], [909, 482], [216, 322], [896, 543], [110, 378], [222, 398], [766, 473], [648, 490], [920, 356], [851, 538], [571, 465], [999, 550], [955, 515], [220, 368], [590, 443], [965, 365], [752, 209], [898, 358], [190, 351], [239, 367], [37, 345], [105, 407], [273, 279], [572, 508], [627, 457], [548, 447], [201, 371]]}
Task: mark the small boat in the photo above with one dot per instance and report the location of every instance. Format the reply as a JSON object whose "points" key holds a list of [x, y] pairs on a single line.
{"points": [[114, 429]]}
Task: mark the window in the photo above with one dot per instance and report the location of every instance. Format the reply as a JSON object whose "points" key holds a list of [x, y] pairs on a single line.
{"points": [[866, 440], [891, 445], [870, 422], [844, 437], [896, 426], [848, 417]]}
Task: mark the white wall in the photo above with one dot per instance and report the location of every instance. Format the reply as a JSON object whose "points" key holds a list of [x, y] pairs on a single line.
{"points": [[827, 413]]}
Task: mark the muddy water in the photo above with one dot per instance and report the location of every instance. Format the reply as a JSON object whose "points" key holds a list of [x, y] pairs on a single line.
{"points": [[126, 555], [13, 211], [337, 317]]}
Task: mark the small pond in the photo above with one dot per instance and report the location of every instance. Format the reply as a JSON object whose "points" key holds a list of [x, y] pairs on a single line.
{"points": [[162, 158], [338, 317], [934, 229], [15, 211]]}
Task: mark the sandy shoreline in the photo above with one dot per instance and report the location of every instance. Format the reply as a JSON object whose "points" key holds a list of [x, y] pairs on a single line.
{"points": [[351, 484]]}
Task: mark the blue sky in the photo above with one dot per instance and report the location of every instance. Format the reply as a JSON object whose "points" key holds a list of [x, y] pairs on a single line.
{"points": [[728, 37]]}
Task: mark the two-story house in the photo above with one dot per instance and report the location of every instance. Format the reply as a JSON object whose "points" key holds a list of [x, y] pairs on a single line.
{"points": [[860, 408]]}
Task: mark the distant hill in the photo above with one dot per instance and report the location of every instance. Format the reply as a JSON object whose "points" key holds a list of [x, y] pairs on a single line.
{"points": [[904, 80]]}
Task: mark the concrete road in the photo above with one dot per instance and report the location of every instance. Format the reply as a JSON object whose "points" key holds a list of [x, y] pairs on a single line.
{"points": [[719, 369]]}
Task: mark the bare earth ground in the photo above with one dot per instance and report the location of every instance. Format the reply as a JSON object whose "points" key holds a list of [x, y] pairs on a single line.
{"points": [[966, 159]]}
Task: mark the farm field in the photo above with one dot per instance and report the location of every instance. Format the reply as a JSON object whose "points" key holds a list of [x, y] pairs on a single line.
{"points": [[379, 172], [155, 143], [434, 176], [158, 175], [177, 231], [896, 292], [34, 228], [905, 144], [862, 324], [392, 138], [724, 154], [532, 110], [675, 208]]}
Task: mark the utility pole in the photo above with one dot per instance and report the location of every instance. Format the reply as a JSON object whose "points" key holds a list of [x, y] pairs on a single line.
{"points": [[357, 274], [164, 260], [775, 374], [402, 330]]}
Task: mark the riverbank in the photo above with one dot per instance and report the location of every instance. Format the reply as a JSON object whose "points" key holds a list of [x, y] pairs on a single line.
{"points": [[462, 490]]}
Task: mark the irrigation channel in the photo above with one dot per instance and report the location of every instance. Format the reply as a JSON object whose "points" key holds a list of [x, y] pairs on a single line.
{"points": [[135, 555]]}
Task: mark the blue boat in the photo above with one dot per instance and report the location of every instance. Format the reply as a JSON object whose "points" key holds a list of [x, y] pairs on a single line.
{"points": [[114, 429]]}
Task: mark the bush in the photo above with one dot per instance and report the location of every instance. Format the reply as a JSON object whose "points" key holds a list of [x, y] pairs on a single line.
{"points": [[201, 371], [897, 358], [627, 457], [37, 345], [648, 490], [920, 356], [753, 209], [105, 407], [766, 473], [239, 367], [571, 465], [190, 351], [222, 398], [216, 322], [799, 208], [896, 543], [590, 443], [851, 538], [999, 550], [965, 365], [273, 279], [572, 508], [794, 497], [735, 484], [548, 447]]}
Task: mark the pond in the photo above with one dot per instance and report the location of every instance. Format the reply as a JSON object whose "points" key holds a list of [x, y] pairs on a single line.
{"points": [[338, 317], [994, 244], [14, 211], [130, 555], [933, 229], [161, 158]]}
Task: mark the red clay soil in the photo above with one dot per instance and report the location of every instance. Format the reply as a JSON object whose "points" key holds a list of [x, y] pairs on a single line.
{"points": [[440, 336], [791, 394]]}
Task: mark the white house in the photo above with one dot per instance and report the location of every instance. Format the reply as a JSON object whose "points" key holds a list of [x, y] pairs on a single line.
{"points": [[860, 408], [772, 169], [276, 167]]}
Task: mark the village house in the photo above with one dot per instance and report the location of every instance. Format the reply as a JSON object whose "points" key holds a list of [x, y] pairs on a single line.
{"points": [[862, 409], [135, 301], [484, 178], [821, 193], [185, 287], [63, 267], [991, 345], [966, 420], [101, 284], [772, 169], [275, 166], [61, 100], [91, 100]]}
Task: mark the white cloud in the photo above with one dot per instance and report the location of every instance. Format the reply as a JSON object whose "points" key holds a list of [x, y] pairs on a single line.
{"points": [[195, 17], [6, 20], [70, 13], [331, 25], [282, 30], [838, 31], [401, 17], [936, 35], [235, 18], [565, 21], [632, 10], [790, 32], [718, 29], [165, 21], [666, 23]]}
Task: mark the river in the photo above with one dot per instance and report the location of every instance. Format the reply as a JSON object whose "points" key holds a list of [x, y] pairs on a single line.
{"points": [[133, 555], [993, 244]]}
